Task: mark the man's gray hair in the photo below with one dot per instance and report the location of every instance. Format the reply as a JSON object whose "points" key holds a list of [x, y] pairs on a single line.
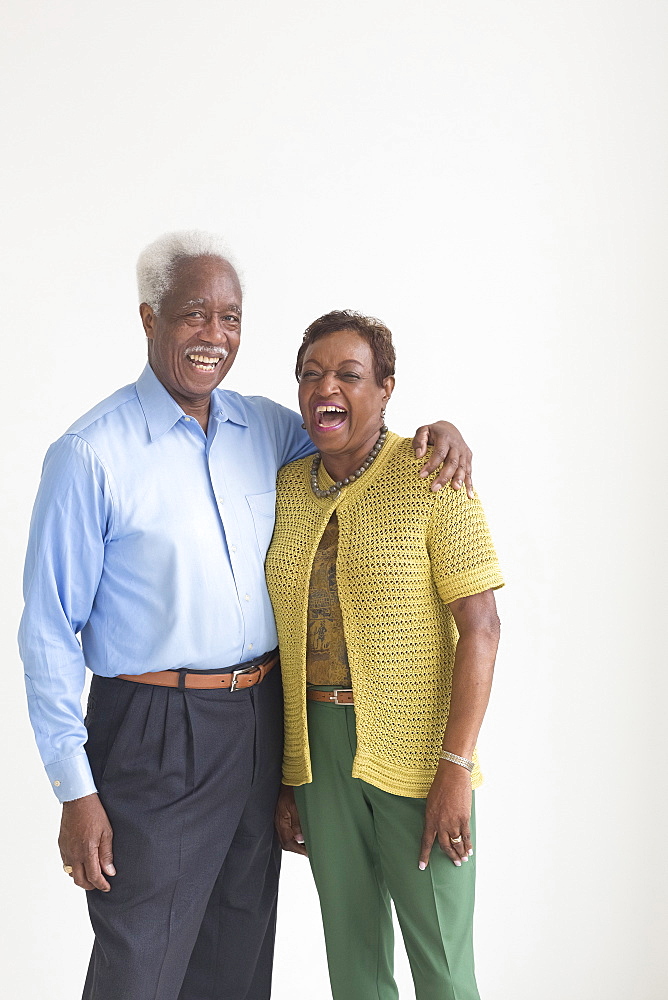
{"points": [[157, 261]]}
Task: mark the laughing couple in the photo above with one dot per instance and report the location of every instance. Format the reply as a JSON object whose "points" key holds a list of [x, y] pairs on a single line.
{"points": [[146, 564]]}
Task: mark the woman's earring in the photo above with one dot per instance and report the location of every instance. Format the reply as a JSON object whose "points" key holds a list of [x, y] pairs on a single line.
{"points": [[303, 427], [382, 412]]}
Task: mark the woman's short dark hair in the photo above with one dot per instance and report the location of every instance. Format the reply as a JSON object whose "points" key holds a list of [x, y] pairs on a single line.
{"points": [[376, 334]]}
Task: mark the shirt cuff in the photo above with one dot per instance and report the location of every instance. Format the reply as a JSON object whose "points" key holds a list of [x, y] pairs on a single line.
{"points": [[71, 778]]}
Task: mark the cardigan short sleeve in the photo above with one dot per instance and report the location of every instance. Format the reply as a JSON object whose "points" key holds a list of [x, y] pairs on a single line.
{"points": [[463, 558]]}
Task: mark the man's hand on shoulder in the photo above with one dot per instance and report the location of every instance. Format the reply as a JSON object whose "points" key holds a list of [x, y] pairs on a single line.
{"points": [[449, 448], [85, 842]]}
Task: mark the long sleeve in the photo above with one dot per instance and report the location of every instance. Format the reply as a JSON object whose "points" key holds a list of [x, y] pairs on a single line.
{"points": [[70, 523], [290, 439], [296, 443]]}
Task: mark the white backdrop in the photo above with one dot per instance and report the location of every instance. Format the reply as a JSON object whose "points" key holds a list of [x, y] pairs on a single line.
{"points": [[489, 178]]}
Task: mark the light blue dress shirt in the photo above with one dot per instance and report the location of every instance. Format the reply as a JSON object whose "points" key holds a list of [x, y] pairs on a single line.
{"points": [[148, 538]]}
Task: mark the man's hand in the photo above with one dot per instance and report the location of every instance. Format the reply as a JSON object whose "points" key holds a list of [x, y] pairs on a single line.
{"points": [[448, 814], [85, 842], [451, 449], [287, 822]]}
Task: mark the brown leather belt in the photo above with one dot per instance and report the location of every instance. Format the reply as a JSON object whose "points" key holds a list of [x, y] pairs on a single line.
{"points": [[236, 680], [340, 696]]}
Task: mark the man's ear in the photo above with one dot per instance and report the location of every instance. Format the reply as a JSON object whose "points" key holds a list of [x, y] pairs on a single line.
{"points": [[147, 319]]}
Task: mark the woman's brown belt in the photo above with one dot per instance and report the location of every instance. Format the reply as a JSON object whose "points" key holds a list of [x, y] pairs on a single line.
{"points": [[341, 696]]}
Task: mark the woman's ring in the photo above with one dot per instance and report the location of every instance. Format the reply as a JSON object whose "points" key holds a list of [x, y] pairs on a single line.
{"points": [[68, 869], [456, 840]]}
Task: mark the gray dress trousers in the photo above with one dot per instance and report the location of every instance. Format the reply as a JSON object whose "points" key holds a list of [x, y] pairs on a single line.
{"points": [[189, 780]]}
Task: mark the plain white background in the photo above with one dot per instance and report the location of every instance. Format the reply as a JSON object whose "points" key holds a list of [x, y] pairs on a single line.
{"points": [[489, 178]]}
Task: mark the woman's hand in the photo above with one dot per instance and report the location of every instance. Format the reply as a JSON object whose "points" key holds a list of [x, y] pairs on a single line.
{"points": [[451, 449], [448, 814], [287, 822]]}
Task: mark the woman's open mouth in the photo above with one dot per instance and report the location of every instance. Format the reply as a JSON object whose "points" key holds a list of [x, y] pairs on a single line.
{"points": [[329, 417]]}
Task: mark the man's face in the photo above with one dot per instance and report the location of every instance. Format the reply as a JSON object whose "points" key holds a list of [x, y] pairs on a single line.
{"points": [[194, 338]]}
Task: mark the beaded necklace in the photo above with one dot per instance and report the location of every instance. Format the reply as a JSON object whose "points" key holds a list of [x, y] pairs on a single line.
{"points": [[335, 490]]}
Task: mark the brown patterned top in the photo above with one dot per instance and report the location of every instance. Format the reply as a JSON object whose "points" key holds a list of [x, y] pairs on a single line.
{"points": [[326, 654]]}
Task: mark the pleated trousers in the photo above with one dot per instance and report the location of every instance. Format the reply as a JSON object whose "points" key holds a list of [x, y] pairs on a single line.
{"points": [[189, 780], [364, 846]]}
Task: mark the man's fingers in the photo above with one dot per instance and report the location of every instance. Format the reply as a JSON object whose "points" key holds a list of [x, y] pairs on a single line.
{"points": [[106, 854], [446, 473], [78, 876], [94, 872], [437, 458], [85, 841], [468, 479], [420, 441], [454, 470], [456, 474], [458, 479]]}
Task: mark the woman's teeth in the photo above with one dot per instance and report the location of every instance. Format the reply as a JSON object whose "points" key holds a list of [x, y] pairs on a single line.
{"points": [[327, 415]]}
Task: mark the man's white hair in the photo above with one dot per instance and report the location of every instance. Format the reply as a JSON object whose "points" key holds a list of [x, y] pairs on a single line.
{"points": [[157, 261]]}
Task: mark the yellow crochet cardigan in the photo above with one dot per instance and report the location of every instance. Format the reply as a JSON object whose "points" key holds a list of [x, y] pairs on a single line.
{"points": [[404, 553]]}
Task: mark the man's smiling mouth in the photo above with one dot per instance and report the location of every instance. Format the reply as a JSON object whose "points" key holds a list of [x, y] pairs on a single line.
{"points": [[205, 362]]}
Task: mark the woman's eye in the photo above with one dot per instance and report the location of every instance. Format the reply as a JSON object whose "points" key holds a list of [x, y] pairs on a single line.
{"points": [[349, 376], [309, 376]]}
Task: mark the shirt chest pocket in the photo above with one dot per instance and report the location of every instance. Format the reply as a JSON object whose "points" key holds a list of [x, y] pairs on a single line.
{"points": [[263, 511]]}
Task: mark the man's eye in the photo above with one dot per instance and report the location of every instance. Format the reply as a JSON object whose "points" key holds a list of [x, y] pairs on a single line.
{"points": [[195, 315], [232, 318]]}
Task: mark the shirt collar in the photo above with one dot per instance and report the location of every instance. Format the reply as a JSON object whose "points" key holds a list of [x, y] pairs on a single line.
{"points": [[162, 411]]}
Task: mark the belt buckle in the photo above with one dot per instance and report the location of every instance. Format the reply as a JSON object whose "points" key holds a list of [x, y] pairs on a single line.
{"points": [[334, 696], [242, 670]]}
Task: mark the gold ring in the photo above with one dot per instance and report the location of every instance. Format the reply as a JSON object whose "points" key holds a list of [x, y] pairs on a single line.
{"points": [[456, 840], [68, 869]]}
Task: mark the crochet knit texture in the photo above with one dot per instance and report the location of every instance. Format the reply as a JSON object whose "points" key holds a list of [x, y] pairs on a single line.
{"points": [[404, 553]]}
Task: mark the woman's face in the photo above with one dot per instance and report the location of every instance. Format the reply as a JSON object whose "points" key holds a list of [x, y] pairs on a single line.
{"points": [[340, 399]]}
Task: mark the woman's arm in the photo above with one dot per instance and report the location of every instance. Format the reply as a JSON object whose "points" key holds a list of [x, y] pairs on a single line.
{"points": [[448, 810]]}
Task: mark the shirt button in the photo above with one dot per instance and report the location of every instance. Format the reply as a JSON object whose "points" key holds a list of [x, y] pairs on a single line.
{"points": [[220, 501], [246, 597], [57, 783], [233, 548], [250, 645], [188, 419]]}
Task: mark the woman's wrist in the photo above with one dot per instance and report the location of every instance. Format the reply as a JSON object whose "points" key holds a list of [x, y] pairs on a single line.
{"points": [[457, 759]]}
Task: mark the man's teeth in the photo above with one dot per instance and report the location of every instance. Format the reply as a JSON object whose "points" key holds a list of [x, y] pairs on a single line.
{"points": [[203, 359]]}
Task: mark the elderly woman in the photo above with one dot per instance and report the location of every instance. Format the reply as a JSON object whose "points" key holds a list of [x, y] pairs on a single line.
{"points": [[383, 594]]}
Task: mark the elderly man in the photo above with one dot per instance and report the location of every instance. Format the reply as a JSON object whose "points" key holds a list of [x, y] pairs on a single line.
{"points": [[148, 539]]}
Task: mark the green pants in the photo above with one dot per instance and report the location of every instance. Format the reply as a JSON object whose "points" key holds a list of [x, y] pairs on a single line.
{"points": [[363, 847]]}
